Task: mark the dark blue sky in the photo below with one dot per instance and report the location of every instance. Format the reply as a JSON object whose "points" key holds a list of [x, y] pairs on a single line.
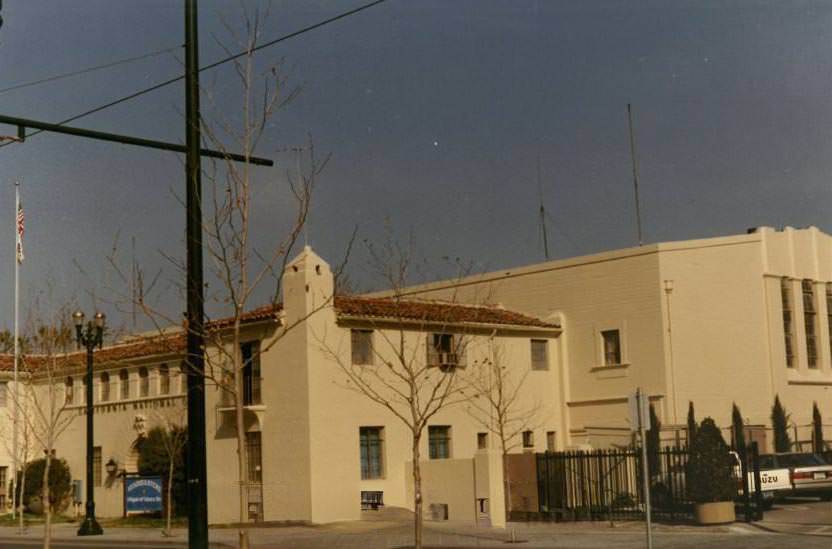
{"points": [[434, 113]]}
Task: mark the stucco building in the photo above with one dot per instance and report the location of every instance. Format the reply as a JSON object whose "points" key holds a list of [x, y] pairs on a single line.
{"points": [[714, 321]]}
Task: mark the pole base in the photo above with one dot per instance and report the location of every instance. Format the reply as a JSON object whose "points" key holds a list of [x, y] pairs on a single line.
{"points": [[90, 527]]}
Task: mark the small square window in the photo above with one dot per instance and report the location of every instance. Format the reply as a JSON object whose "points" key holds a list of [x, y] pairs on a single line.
{"points": [[362, 347], [612, 347], [528, 439], [482, 441], [540, 354]]}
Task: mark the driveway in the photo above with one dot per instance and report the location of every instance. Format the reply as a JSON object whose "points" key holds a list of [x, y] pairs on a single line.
{"points": [[805, 516]]}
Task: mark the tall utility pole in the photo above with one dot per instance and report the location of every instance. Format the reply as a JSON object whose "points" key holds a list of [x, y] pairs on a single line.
{"points": [[196, 460]]}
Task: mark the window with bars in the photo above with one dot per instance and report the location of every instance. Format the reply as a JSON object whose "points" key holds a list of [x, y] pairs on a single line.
{"points": [[254, 456], [362, 346], [371, 441], [124, 384], [482, 441], [164, 379], [829, 313], [4, 478], [528, 439], [788, 328], [251, 373], [611, 340], [540, 354], [96, 466], [144, 382], [105, 387], [4, 397], [810, 322], [439, 442]]}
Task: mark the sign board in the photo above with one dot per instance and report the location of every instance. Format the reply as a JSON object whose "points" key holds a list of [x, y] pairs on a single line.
{"points": [[142, 494], [639, 406]]}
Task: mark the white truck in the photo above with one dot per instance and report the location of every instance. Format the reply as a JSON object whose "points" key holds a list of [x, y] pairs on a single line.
{"points": [[772, 479]]}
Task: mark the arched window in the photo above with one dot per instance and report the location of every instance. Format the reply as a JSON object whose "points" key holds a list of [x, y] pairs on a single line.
{"points": [[144, 382], [164, 379], [70, 390], [105, 387], [124, 383]]}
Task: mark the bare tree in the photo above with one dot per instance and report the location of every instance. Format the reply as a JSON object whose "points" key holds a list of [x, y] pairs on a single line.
{"points": [[497, 404], [173, 436], [45, 391], [413, 382]]}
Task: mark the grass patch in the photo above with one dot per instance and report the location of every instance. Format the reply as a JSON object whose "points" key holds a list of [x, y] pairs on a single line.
{"points": [[31, 519]]}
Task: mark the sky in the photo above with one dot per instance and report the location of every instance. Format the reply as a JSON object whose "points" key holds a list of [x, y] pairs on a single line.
{"points": [[435, 115]]}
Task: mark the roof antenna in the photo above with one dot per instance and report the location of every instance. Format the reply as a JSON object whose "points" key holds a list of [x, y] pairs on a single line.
{"points": [[635, 173], [542, 212]]}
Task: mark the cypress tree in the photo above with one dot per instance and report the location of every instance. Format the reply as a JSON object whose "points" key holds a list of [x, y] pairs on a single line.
{"points": [[691, 424], [817, 429], [780, 424], [738, 428]]}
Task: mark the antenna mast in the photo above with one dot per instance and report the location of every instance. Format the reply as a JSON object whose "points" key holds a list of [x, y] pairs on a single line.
{"points": [[542, 212], [635, 173]]}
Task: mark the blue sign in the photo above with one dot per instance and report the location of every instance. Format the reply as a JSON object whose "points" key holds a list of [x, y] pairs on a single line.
{"points": [[142, 494]]}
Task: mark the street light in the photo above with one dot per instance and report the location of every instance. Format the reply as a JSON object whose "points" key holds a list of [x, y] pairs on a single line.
{"points": [[90, 337]]}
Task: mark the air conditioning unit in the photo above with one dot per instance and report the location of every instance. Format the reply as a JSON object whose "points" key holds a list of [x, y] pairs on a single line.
{"points": [[438, 511]]}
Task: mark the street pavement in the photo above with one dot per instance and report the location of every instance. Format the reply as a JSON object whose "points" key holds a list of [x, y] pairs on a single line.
{"points": [[802, 524]]}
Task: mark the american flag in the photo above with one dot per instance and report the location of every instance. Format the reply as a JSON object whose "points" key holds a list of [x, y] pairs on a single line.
{"points": [[20, 233]]}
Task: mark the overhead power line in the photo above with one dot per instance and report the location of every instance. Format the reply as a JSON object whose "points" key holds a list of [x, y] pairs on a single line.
{"points": [[88, 69], [213, 65]]}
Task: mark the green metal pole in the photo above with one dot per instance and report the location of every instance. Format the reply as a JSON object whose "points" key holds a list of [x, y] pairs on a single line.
{"points": [[196, 460]]}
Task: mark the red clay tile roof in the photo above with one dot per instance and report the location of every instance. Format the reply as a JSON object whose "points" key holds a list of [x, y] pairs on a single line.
{"points": [[433, 311], [441, 312]]}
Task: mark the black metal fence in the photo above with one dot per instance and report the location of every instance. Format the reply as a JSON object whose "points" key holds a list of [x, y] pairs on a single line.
{"points": [[608, 485]]}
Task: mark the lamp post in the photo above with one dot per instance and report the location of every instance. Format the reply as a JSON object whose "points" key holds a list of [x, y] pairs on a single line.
{"points": [[89, 336]]}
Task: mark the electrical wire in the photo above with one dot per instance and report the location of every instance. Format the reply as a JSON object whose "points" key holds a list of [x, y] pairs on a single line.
{"points": [[88, 69], [212, 65]]}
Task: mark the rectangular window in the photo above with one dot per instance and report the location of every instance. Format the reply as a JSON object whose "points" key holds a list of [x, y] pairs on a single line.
{"points": [[788, 329], [254, 456], [439, 441], [164, 379], [482, 441], [4, 387], [69, 391], [551, 441], [362, 346], [96, 466], [144, 382], [540, 354], [251, 373], [4, 477], [612, 347], [445, 351], [810, 321], [371, 441], [124, 383], [105, 387], [528, 439]]}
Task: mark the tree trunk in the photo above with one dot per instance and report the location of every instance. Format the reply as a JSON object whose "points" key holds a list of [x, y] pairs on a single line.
{"points": [[240, 428], [21, 524], [417, 496], [169, 510], [47, 507]]}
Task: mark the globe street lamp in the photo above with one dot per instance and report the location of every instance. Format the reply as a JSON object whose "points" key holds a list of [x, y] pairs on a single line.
{"points": [[90, 337]]}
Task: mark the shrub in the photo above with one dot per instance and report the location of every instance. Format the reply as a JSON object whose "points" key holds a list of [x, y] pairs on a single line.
{"points": [[710, 467], [780, 423], [60, 483]]}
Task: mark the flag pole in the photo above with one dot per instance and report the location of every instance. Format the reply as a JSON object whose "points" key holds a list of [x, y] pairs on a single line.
{"points": [[17, 251]]}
